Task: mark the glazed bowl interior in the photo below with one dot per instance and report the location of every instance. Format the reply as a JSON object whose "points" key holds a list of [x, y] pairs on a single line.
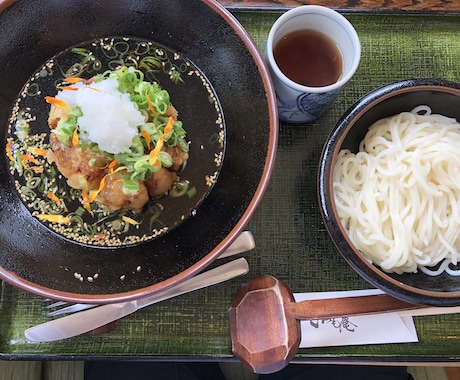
{"points": [[442, 97], [39, 260]]}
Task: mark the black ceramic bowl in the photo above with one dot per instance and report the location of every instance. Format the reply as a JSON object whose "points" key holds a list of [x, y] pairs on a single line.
{"points": [[36, 258], [444, 98]]}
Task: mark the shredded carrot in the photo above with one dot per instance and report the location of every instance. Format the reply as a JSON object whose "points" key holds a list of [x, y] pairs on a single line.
{"points": [[53, 197], [93, 88], [73, 80], [54, 218], [153, 156], [67, 88], [57, 102], [150, 104], [146, 136], [9, 153], [37, 169], [28, 158], [112, 166], [100, 236], [75, 139], [86, 205], [93, 194], [119, 169], [37, 151], [129, 220]]}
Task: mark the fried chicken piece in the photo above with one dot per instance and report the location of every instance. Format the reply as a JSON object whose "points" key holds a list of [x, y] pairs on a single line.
{"points": [[56, 114], [178, 157], [113, 197], [171, 112], [74, 164], [160, 181]]}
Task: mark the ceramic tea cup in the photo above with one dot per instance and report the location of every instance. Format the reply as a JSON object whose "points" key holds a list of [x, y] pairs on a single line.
{"points": [[312, 52]]}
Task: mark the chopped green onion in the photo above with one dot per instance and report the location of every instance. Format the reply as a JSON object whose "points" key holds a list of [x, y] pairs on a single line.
{"points": [[179, 189], [130, 186], [80, 211], [191, 192], [165, 159]]}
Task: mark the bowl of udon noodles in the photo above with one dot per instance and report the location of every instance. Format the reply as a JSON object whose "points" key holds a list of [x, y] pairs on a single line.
{"points": [[389, 189]]}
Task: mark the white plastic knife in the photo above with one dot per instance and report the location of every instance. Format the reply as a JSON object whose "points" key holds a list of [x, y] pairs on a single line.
{"points": [[79, 323]]}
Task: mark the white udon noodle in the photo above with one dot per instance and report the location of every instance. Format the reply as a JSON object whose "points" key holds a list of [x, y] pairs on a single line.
{"points": [[399, 196]]}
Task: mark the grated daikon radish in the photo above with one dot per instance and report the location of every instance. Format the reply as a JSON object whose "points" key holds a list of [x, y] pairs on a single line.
{"points": [[109, 117]]}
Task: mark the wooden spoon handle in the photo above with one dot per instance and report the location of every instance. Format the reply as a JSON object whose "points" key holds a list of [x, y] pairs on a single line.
{"points": [[342, 307]]}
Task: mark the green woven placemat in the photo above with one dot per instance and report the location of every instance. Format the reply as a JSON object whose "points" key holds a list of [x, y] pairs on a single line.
{"points": [[292, 243]]}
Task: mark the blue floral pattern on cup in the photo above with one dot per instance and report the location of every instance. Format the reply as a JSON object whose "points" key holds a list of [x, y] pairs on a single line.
{"points": [[306, 107]]}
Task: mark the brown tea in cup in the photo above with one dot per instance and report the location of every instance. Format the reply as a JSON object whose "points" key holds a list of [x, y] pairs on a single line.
{"points": [[309, 58]]}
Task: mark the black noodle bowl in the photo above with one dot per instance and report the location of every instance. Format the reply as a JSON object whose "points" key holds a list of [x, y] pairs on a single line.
{"points": [[443, 98], [38, 259]]}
